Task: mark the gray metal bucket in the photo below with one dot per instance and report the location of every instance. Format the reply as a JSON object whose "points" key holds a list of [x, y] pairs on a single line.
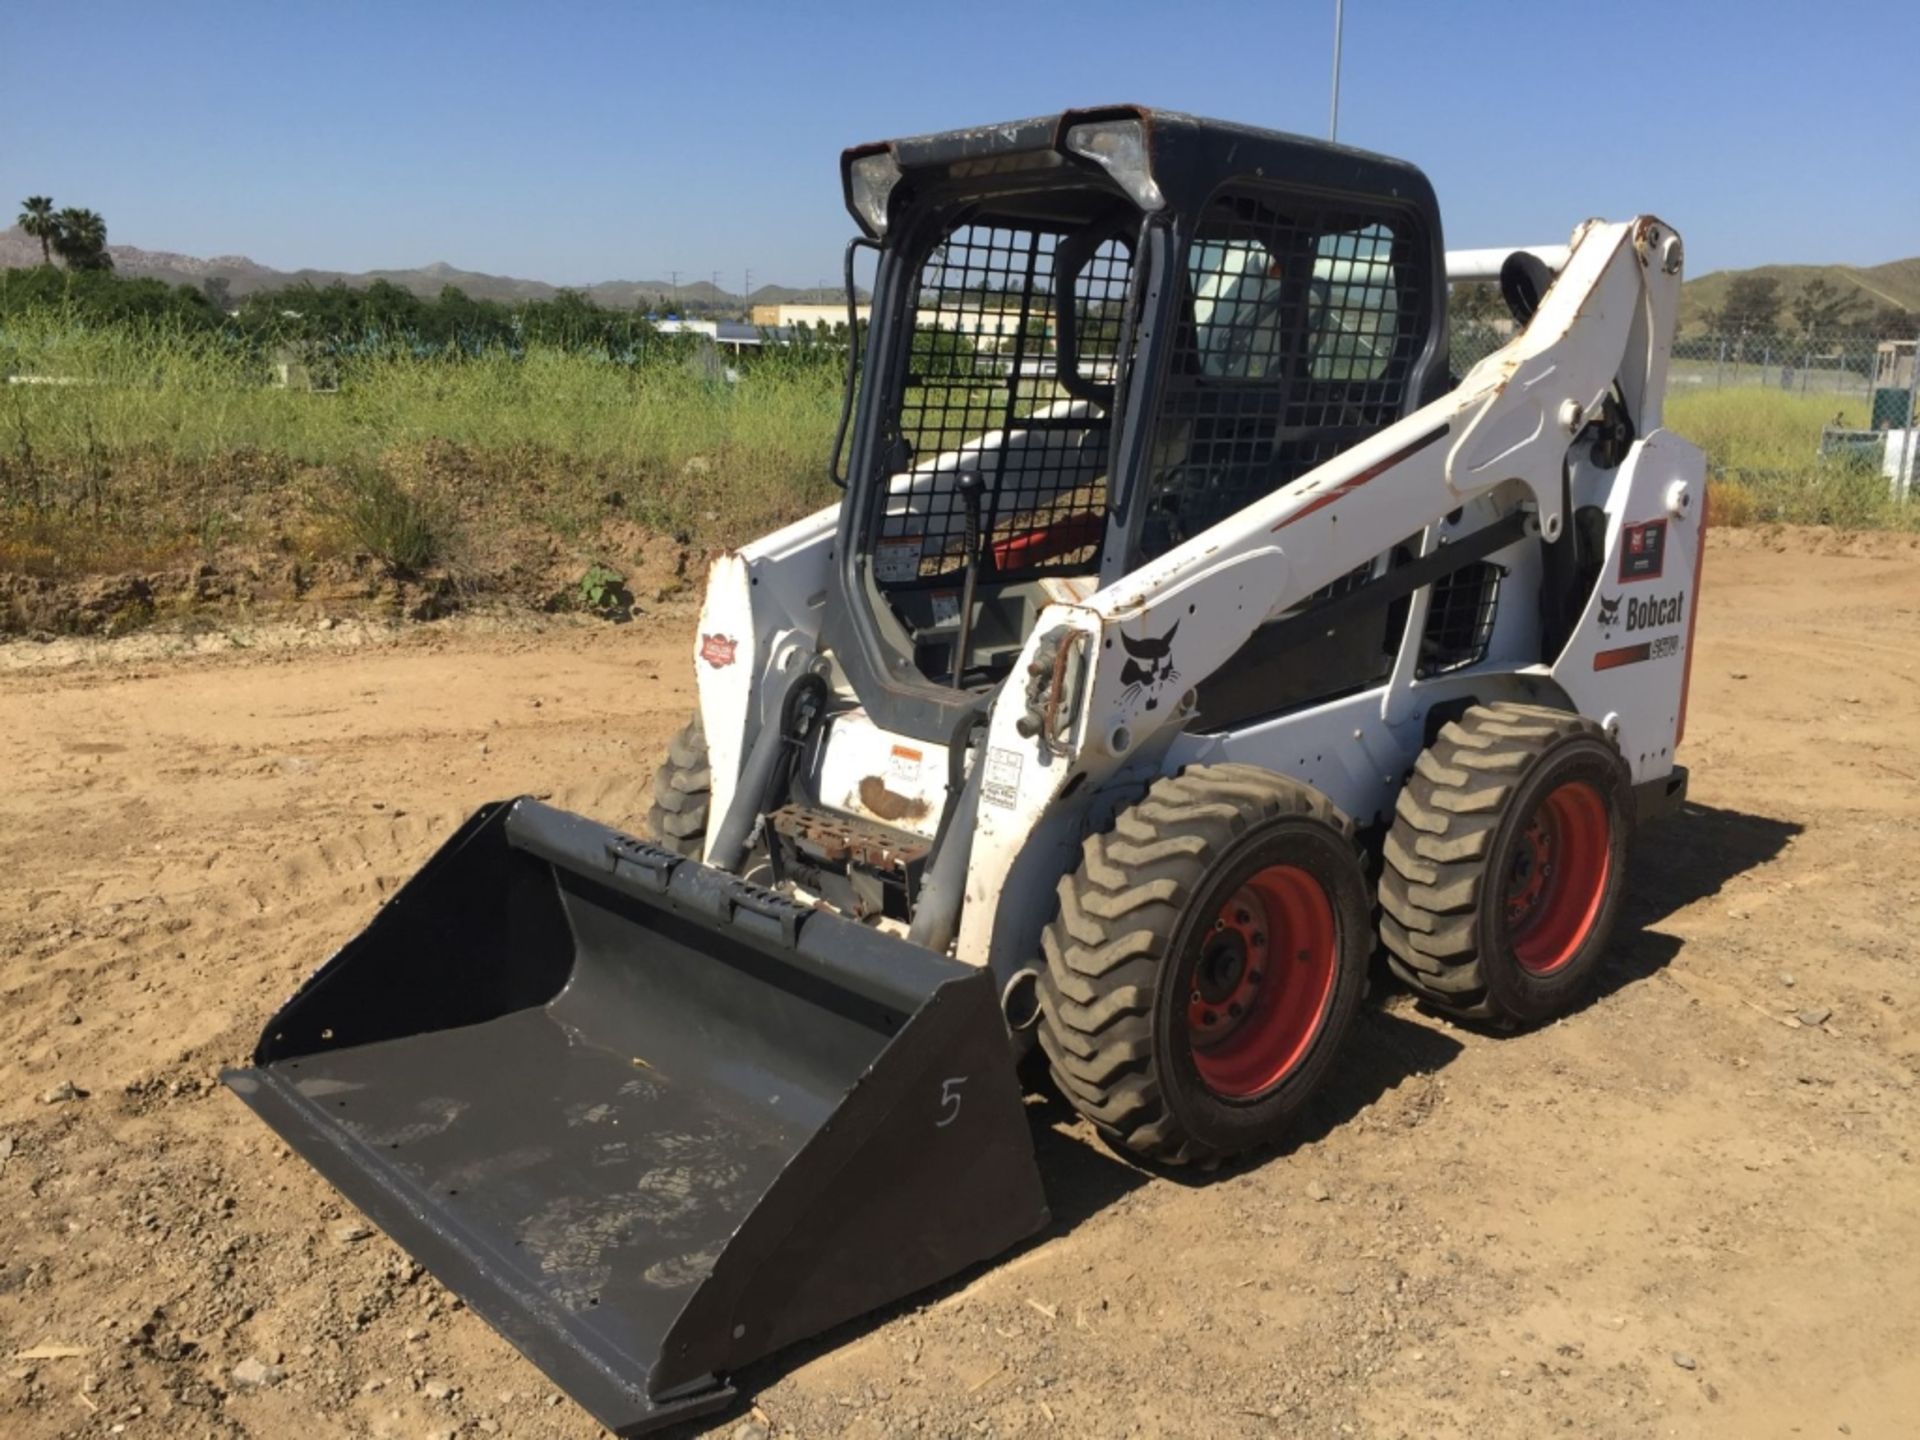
{"points": [[648, 1120]]}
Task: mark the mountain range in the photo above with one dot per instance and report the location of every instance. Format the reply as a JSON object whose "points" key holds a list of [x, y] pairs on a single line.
{"points": [[1897, 282], [244, 276]]}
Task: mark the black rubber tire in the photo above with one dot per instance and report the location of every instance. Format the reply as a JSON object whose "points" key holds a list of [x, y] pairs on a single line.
{"points": [[1121, 950], [1456, 824], [682, 793]]}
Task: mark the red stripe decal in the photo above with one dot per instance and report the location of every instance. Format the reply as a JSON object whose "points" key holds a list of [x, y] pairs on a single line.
{"points": [[1693, 614], [1625, 655], [1372, 472]]}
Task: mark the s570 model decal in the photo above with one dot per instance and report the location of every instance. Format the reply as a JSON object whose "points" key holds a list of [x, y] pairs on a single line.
{"points": [[1656, 612], [1658, 648]]}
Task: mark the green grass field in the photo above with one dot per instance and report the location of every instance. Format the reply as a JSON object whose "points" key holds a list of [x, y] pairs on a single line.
{"points": [[142, 447], [1763, 461], [151, 444]]}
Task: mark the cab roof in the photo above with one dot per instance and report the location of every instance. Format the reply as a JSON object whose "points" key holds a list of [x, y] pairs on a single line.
{"points": [[1185, 157]]}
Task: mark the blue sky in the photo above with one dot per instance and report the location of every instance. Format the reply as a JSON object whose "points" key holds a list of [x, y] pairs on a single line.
{"points": [[582, 142]]}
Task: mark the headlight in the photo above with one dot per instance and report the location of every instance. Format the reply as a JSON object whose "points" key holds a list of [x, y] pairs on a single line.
{"points": [[870, 182], [1120, 148]]}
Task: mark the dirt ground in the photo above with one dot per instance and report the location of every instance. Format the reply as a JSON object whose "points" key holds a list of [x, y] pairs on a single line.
{"points": [[1691, 1209]]}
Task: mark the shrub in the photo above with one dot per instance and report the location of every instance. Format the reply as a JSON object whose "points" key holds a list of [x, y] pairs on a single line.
{"points": [[397, 526]]}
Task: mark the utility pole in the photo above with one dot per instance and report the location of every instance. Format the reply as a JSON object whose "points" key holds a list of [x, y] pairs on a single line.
{"points": [[746, 294], [717, 291], [676, 290], [1333, 112]]}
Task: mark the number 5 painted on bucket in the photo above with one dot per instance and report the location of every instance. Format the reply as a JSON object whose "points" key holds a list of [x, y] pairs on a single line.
{"points": [[949, 1100]]}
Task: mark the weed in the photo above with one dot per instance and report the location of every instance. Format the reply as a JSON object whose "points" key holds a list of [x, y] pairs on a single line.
{"points": [[215, 528], [1733, 503], [1764, 464], [399, 528], [604, 592]]}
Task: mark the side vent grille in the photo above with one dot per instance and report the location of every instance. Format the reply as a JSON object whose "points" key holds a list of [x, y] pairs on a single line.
{"points": [[1460, 619]]}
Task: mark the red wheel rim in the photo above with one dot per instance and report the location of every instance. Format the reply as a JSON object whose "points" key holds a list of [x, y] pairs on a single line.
{"points": [[1262, 982], [1557, 877]]}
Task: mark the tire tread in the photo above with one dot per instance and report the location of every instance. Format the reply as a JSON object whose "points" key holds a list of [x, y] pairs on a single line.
{"points": [[683, 793], [1118, 914], [1434, 871]]}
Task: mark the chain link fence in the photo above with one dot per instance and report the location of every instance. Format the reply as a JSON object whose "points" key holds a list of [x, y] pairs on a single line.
{"points": [[1875, 369], [1878, 369]]}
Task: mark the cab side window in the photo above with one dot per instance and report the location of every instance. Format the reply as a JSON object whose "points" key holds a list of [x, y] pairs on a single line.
{"points": [[1304, 320]]}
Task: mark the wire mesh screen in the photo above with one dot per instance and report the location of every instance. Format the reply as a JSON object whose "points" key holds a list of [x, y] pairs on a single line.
{"points": [[1303, 326], [983, 394], [1459, 619]]}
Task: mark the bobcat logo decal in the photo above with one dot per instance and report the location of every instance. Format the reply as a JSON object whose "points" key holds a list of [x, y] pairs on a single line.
{"points": [[1149, 666], [1609, 611]]}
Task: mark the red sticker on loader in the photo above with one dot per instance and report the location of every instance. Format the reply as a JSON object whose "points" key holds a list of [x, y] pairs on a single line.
{"points": [[1643, 550], [718, 650]]}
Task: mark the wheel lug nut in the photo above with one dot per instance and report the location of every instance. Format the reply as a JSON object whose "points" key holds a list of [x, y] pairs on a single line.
{"points": [[1234, 1008], [1208, 1018], [1241, 917], [1254, 976], [1258, 938]]}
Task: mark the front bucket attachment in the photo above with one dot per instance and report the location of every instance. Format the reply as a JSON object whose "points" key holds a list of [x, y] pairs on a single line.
{"points": [[648, 1120]]}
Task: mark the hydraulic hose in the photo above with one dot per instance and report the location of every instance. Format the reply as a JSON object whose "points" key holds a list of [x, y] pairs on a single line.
{"points": [[764, 769]]}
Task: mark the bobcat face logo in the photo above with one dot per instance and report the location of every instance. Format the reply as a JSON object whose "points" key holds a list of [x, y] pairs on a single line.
{"points": [[1609, 611], [1149, 666]]}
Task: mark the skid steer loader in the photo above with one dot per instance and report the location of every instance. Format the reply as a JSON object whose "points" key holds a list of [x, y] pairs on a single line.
{"points": [[1187, 633]]}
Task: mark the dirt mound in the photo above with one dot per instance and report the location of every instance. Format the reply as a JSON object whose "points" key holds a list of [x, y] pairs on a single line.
{"points": [[1816, 540], [627, 565]]}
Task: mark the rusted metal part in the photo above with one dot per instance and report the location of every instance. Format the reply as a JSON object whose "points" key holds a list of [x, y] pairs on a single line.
{"points": [[1051, 725], [826, 837], [888, 804], [1657, 244], [1047, 676]]}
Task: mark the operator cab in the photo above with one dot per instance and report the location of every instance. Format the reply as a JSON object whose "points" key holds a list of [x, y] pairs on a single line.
{"points": [[1095, 335]]}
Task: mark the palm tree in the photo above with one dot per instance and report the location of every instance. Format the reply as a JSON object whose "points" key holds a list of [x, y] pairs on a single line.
{"points": [[37, 219], [82, 240]]}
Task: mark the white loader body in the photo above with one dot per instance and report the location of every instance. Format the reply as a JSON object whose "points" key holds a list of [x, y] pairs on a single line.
{"points": [[1499, 439]]}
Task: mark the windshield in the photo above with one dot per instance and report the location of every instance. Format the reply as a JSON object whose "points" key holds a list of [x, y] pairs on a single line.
{"points": [[983, 393]]}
